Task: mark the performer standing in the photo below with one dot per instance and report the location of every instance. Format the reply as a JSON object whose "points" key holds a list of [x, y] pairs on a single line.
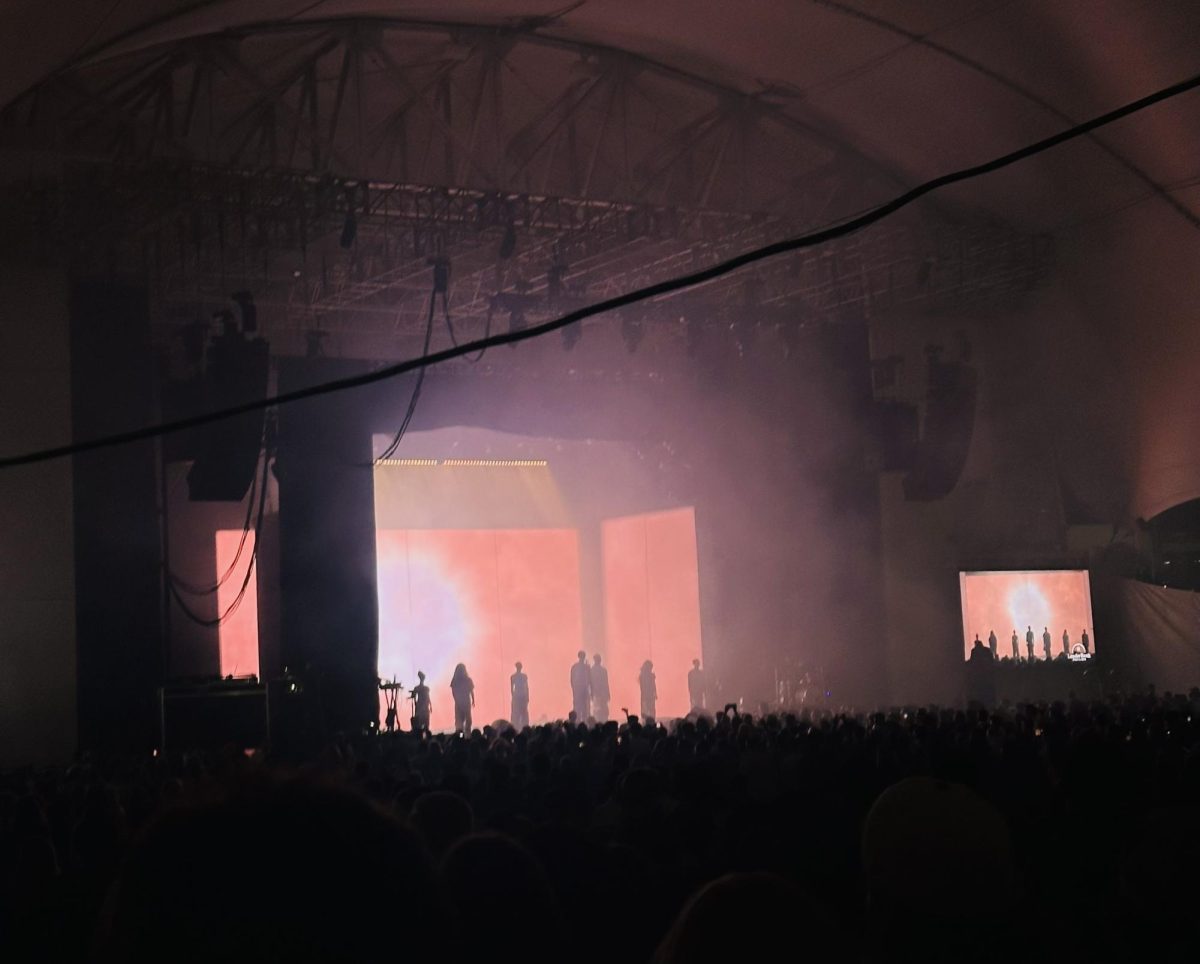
{"points": [[1085, 641], [600, 694], [1066, 643], [422, 706], [649, 690], [1046, 642], [1016, 646], [992, 643], [581, 689], [463, 689], [1029, 642], [696, 688], [518, 684]]}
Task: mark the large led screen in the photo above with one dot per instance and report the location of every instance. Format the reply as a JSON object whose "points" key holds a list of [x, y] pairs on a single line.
{"points": [[486, 598], [479, 562], [1030, 614]]}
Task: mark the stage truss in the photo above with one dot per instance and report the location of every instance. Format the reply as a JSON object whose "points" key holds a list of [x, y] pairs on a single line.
{"points": [[325, 166]]}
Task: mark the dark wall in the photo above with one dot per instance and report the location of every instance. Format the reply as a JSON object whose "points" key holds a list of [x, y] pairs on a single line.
{"points": [[117, 549]]}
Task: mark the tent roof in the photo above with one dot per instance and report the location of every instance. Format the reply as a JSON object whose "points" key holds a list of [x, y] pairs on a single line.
{"points": [[918, 89], [924, 88]]}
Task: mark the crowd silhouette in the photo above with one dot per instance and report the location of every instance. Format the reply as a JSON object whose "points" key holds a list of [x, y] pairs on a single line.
{"points": [[1038, 832]]}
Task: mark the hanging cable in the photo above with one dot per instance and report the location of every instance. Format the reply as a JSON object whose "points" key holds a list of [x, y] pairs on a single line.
{"points": [[194, 590], [250, 567], [416, 393], [444, 279]]}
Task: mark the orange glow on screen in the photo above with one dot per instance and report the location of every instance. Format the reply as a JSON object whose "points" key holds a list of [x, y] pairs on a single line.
{"points": [[237, 636], [490, 597], [1042, 600], [486, 598], [652, 606]]}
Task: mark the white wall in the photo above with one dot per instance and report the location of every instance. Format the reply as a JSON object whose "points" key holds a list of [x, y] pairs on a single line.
{"points": [[37, 586]]}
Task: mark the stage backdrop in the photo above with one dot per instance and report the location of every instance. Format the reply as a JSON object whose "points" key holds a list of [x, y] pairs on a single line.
{"points": [[479, 562]]}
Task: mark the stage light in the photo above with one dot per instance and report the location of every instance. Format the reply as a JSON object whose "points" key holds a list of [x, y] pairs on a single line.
{"points": [[245, 302], [571, 335], [349, 230], [631, 333], [516, 322], [556, 272], [508, 244], [441, 274]]}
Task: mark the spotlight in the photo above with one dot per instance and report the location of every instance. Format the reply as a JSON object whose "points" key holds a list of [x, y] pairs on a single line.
{"points": [[349, 230], [441, 274], [555, 274], [631, 333], [571, 335], [350, 225], [508, 244], [516, 321]]}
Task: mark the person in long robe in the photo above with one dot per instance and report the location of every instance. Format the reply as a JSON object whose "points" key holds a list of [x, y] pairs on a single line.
{"points": [[518, 685], [600, 691]]}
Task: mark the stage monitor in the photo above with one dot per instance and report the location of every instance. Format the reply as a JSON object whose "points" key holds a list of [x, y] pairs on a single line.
{"points": [[1049, 612]]}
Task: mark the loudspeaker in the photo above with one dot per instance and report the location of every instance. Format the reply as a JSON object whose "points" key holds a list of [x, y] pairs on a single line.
{"points": [[226, 453], [896, 435], [116, 526], [946, 439]]}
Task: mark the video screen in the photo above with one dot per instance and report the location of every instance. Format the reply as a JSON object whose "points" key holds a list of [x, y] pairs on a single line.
{"points": [[482, 562], [1028, 615], [486, 599], [237, 635]]}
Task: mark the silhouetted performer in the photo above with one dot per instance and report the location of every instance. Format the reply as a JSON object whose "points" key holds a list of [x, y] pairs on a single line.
{"points": [[696, 689], [992, 642], [581, 689], [981, 681], [463, 689], [518, 685], [600, 693], [1016, 646], [649, 690], [1046, 642], [1066, 643], [1029, 642], [1086, 642], [422, 706]]}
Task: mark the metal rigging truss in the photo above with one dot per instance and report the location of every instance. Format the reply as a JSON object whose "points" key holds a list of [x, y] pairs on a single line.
{"points": [[325, 165]]}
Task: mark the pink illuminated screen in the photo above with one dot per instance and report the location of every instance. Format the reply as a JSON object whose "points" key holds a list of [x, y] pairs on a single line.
{"points": [[237, 636], [490, 597], [1037, 601], [486, 598], [651, 607]]}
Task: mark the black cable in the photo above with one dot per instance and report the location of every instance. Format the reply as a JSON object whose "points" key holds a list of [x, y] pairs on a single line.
{"points": [[237, 600], [619, 301], [487, 326], [416, 393], [194, 590]]}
